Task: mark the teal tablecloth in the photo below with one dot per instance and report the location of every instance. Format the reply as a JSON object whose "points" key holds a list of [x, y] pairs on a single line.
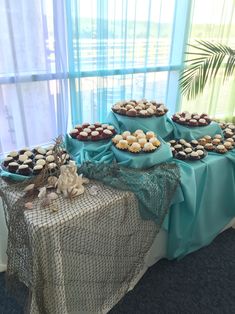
{"points": [[204, 203], [162, 126], [193, 133], [96, 152]]}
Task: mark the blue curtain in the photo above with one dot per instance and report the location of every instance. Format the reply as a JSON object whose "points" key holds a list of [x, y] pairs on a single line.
{"points": [[122, 49]]}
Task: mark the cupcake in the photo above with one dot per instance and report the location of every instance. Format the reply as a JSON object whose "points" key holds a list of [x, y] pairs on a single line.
{"points": [[142, 142], [14, 155], [182, 141], [29, 163], [182, 121], [117, 138], [160, 111], [52, 167], [95, 135], [208, 138], [221, 149], [100, 130], [49, 152], [202, 122], [111, 128], [173, 151], [218, 136], [23, 150], [194, 156], [188, 150], [41, 162], [140, 135], [104, 125], [87, 130], [22, 158], [50, 158], [41, 151], [131, 139], [178, 147], [29, 154], [138, 132], [216, 141], [231, 140], [79, 127], [82, 136], [134, 148], [181, 156], [24, 170], [149, 147], [38, 157], [187, 145], [150, 134], [7, 160], [107, 133], [122, 144], [92, 127], [65, 157], [155, 141], [202, 141], [193, 122], [201, 153], [13, 167], [228, 145], [131, 112], [209, 147], [172, 142], [74, 133], [37, 169], [85, 125], [97, 124], [125, 134], [199, 147]]}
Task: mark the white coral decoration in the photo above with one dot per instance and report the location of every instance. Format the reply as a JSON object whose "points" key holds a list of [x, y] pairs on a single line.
{"points": [[69, 183]]}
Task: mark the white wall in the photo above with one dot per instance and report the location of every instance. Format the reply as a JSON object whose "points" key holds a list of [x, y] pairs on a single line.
{"points": [[3, 239]]}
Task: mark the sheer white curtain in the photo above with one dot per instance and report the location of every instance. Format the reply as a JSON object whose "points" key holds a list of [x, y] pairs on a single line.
{"points": [[33, 72]]}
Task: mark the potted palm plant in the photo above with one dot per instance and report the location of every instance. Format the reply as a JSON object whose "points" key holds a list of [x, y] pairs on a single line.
{"points": [[207, 59]]}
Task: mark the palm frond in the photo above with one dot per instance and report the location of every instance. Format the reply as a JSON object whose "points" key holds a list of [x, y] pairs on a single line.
{"points": [[206, 60]]}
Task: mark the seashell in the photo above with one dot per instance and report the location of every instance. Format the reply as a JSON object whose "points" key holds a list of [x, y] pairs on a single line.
{"points": [[54, 208], [45, 202], [52, 196], [42, 192], [29, 187], [28, 205], [73, 192], [52, 181]]}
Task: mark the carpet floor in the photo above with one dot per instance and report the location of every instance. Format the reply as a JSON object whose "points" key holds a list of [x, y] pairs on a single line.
{"points": [[201, 283]]}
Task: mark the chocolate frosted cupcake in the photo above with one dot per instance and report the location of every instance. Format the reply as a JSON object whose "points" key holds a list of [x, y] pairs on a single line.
{"points": [[13, 167]]}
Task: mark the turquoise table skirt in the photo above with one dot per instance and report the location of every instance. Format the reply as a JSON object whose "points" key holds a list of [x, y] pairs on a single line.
{"points": [[193, 133], [203, 204], [162, 126]]}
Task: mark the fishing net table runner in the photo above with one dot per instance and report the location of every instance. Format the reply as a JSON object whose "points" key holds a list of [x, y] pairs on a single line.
{"points": [[82, 258]]}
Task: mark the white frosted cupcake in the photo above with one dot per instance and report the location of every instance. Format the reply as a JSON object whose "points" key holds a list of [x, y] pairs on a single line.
{"points": [[117, 138], [149, 147]]}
